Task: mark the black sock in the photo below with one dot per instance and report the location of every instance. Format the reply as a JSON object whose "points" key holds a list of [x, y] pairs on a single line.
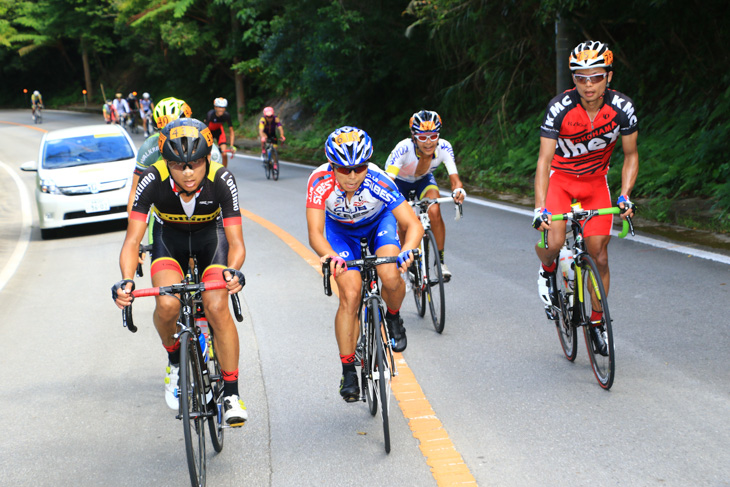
{"points": [[441, 256], [230, 387], [174, 357]]}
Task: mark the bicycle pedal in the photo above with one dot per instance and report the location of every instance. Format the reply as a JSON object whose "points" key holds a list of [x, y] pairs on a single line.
{"points": [[552, 313]]}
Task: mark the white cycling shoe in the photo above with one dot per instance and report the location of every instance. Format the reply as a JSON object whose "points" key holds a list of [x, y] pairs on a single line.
{"points": [[445, 272], [543, 288], [172, 390], [234, 411]]}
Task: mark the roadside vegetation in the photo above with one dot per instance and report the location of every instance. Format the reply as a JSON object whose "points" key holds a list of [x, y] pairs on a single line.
{"points": [[488, 67]]}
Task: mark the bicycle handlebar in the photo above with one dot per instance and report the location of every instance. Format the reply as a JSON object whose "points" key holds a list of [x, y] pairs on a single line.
{"points": [[367, 262], [580, 214], [426, 203], [142, 250]]}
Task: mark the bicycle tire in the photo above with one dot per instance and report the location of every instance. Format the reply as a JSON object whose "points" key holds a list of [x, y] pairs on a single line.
{"points": [[604, 366], [267, 164], [368, 367], [436, 295], [275, 164], [215, 422], [418, 285], [383, 389], [565, 324], [192, 404]]}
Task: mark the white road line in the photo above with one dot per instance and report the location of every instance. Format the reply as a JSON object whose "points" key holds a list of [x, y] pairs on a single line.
{"points": [[23, 240], [682, 249]]}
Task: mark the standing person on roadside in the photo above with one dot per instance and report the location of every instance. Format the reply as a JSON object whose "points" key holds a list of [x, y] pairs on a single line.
{"points": [[348, 198], [577, 136], [215, 120], [412, 163]]}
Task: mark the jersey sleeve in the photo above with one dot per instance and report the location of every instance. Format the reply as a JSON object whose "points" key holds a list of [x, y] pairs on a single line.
{"points": [[148, 154], [624, 106], [555, 113], [384, 188], [143, 197], [447, 155], [397, 156], [227, 189], [262, 123], [320, 185]]}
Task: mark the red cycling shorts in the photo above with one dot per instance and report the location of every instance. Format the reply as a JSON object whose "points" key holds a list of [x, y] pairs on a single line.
{"points": [[590, 191]]}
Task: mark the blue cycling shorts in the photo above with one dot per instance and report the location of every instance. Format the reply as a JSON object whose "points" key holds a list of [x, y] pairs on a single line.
{"points": [[420, 185], [345, 240]]}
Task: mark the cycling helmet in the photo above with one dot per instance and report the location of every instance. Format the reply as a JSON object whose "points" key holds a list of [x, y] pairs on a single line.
{"points": [[220, 102], [268, 112], [591, 54], [185, 140], [348, 146], [36, 92], [145, 95], [118, 95], [425, 121], [132, 96], [170, 109]]}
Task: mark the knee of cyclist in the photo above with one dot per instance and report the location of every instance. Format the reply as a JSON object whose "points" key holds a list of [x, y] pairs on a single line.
{"points": [[168, 309], [349, 298]]}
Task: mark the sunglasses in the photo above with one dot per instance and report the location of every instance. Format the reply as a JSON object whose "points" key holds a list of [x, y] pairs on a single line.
{"points": [[594, 78], [181, 166], [348, 170], [425, 137]]}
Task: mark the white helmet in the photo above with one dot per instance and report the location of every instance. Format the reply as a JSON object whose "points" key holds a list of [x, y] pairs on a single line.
{"points": [[590, 54], [220, 102], [36, 92], [145, 95]]}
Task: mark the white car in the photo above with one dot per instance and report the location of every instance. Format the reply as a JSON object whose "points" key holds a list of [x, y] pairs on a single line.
{"points": [[84, 176]]}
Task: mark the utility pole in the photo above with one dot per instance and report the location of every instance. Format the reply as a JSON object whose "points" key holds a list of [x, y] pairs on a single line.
{"points": [[562, 51]]}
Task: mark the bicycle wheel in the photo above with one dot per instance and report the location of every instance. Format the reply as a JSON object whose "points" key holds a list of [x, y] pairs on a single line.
{"points": [[383, 378], [567, 331], [418, 283], [192, 405], [267, 164], [215, 422], [275, 164], [368, 357], [594, 297], [435, 281]]}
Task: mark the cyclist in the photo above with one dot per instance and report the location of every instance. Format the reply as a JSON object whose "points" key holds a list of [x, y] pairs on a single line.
{"points": [[166, 111], [577, 136], [412, 163], [122, 108], [349, 198], [110, 113], [36, 101], [267, 127], [215, 120], [133, 107], [197, 212], [145, 109]]}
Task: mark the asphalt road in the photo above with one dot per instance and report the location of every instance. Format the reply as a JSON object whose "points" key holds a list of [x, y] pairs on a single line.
{"points": [[82, 398]]}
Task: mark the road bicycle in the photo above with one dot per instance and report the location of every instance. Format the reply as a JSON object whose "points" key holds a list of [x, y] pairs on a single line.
{"points": [[38, 114], [148, 124], [374, 352], [578, 277], [271, 159], [424, 274], [132, 121], [201, 380]]}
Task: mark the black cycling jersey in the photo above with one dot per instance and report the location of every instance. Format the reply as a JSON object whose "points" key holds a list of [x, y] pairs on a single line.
{"points": [[217, 198], [215, 123]]}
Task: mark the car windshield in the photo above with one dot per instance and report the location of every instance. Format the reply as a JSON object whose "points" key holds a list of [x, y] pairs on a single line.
{"points": [[86, 149]]}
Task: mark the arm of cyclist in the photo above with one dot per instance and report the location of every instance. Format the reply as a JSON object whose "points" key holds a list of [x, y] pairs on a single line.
{"points": [[318, 242], [128, 259], [281, 133], [236, 256], [542, 178], [413, 230], [628, 173], [457, 188]]}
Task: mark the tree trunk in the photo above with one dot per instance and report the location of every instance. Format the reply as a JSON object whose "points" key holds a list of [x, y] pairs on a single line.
{"points": [[562, 51], [238, 77], [87, 71]]}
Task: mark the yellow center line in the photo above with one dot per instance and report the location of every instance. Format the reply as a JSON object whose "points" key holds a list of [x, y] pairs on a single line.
{"points": [[447, 464], [24, 125]]}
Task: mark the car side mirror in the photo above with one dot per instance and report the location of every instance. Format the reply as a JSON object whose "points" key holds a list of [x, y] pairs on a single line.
{"points": [[29, 166]]}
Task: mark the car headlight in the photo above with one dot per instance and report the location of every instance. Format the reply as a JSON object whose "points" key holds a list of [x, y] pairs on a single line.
{"points": [[48, 186]]}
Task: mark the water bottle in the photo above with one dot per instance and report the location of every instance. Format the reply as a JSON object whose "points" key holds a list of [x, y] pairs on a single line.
{"points": [[566, 267], [203, 337]]}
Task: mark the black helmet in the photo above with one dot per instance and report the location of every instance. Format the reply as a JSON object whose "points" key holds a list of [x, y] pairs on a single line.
{"points": [[185, 140]]}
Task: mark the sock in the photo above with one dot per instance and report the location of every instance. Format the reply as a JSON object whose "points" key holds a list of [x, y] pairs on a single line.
{"points": [[596, 315], [550, 268], [441, 256], [393, 313], [173, 353], [348, 363], [230, 382]]}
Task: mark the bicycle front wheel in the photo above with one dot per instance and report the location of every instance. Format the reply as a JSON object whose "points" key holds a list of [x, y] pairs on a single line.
{"points": [[598, 334], [567, 331], [267, 164], [274, 164], [382, 374], [368, 356], [416, 273], [192, 406], [435, 280], [215, 422]]}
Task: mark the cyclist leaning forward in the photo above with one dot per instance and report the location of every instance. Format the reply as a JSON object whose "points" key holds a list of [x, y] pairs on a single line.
{"points": [[412, 163], [349, 198], [215, 120], [268, 124], [197, 212], [577, 137]]}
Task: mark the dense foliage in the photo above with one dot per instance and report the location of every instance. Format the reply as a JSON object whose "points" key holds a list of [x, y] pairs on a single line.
{"points": [[488, 66]]}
